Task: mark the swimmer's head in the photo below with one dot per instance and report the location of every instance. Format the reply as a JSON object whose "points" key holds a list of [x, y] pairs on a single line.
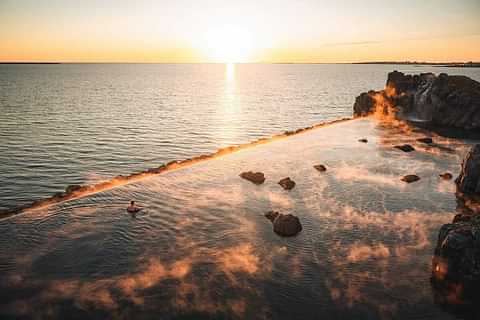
{"points": [[132, 203]]}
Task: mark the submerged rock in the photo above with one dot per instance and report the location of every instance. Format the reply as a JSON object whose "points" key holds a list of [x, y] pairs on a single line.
{"points": [[320, 167], [73, 188], [271, 215], [410, 178], [446, 176], [405, 148], [468, 182], [287, 183], [425, 140], [255, 177]]}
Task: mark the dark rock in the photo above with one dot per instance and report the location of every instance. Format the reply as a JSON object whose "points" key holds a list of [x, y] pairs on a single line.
{"points": [[364, 104], [271, 215], [456, 261], [446, 176], [441, 101], [462, 217], [410, 178], [405, 148], [58, 195], [320, 167], [425, 140], [468, 182], [255, 177], [287, 183], [286, 225], [72, 188], [363, 140]]}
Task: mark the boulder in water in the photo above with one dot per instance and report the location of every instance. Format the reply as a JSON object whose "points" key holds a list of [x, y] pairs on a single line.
{"points": [[410, 178], [286, 225], [255, 177], [425, 140], [320, 167], [287, 183], [405, 148]]}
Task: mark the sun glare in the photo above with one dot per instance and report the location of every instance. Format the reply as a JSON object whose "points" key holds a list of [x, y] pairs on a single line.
{"points": [[229, 45]]}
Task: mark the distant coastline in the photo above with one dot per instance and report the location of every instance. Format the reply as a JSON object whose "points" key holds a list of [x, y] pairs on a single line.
{"points": [[30, 62], [469, 64], [435, 64]]}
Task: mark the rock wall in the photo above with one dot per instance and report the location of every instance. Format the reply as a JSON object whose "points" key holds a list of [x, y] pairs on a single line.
{"points": [[456, 260], [468, 182], [443, 100]]}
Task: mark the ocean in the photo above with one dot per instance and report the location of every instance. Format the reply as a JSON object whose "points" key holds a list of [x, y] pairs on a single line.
{"points": [[201, 248], [67, 124]]}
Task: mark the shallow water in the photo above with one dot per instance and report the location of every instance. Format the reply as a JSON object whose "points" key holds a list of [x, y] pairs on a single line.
{"points": [[83, 123], [203, 249]]}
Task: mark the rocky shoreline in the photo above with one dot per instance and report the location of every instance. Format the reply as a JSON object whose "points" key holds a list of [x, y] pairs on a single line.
{"points": [[441, 103], [444, 104]]}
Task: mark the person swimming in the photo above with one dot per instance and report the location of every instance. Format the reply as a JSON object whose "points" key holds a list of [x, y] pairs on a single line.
{"points": [[132, 208]]}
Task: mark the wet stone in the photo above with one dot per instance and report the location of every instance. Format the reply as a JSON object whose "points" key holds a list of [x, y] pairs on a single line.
{"points": [[254, 177], [405, 148], [287, 183], [410, 178], [320, 167]]}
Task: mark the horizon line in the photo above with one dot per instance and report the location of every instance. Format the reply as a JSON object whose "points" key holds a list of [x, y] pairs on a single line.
{"points": [[410, 62]]}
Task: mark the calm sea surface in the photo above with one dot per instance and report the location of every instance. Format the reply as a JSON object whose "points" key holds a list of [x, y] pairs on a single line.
{"points": [[202, 248], [83, 123]]}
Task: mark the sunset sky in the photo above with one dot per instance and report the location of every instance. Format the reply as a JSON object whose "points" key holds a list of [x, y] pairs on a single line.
{"points": [[239, 31]]}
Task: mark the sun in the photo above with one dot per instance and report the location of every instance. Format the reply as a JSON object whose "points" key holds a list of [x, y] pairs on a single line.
{"points": [[228, 44]]}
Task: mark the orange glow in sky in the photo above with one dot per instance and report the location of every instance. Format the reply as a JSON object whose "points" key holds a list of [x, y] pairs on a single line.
{"points": [[239, 31]]}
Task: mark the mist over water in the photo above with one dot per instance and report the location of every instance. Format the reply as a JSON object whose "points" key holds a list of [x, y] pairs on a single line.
{"points": [[83, 123], [203, 249]]}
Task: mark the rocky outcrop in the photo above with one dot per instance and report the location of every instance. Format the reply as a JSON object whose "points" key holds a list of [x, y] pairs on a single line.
{"points": [[255, 177], [456, 261], [364, 104], [287, 183], [286, 225], [468, 182], [443, 100]]}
